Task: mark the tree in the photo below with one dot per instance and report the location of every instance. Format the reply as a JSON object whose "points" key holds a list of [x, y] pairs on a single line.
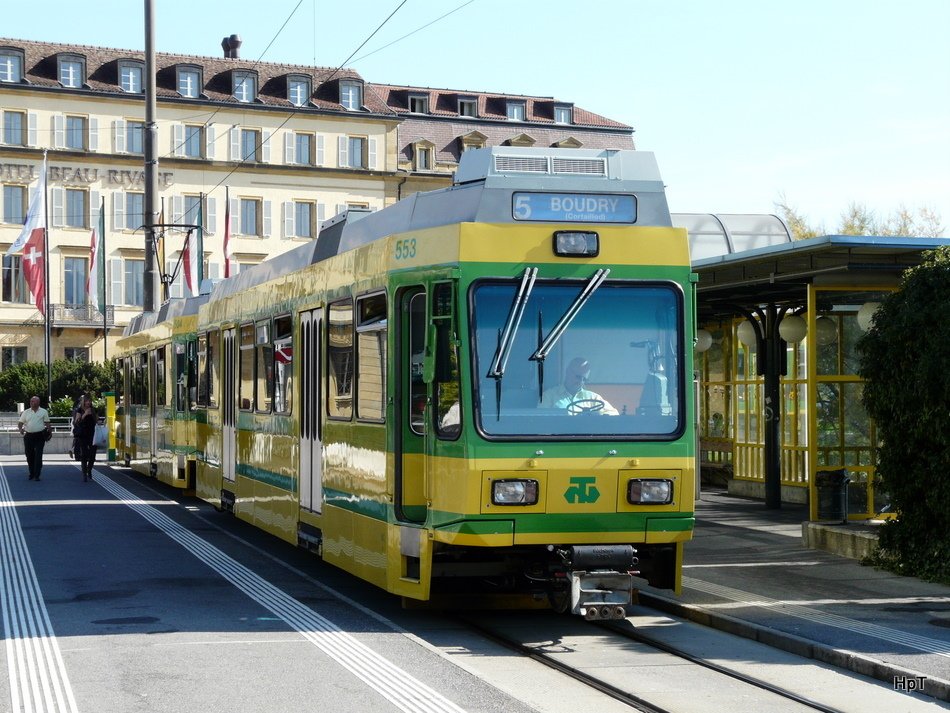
{"points": [[18, 382], [905, 361], [858, 219]]}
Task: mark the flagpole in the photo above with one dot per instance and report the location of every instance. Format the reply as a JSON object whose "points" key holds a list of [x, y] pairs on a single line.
{"points": [[101, 278], [201, 243], [46, 326]]}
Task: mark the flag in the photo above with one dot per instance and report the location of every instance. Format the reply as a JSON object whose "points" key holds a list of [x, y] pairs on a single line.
{"points": [[96, 284], [34, 267], [189, 264], [35, 215], [227, 234]]}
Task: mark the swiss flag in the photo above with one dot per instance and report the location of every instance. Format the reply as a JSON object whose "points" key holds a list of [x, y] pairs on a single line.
{"points": [[34, 268]]}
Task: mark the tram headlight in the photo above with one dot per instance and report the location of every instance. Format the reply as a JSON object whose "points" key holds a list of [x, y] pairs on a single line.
{"points": [[514, 492], [650, 492], [576, 243]]}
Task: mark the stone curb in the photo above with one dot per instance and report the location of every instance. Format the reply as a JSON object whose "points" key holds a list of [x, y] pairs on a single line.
{"points": [[936, 687]]}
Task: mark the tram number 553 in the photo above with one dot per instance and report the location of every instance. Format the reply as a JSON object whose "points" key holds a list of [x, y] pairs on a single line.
{"points": [[405, 249]]}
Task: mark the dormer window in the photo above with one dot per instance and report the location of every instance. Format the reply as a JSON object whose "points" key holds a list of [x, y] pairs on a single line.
{"points": [[351, 95], [11, 65], [298, 90], [472, 140], [130, 77], [423, 155], [72, 71], [245, 86], [468, 106], [563, 115], [515, 111], [189, 82], [419, 103]]}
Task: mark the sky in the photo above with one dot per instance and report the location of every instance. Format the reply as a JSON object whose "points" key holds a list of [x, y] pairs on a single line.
{"points": [[818, 103]]}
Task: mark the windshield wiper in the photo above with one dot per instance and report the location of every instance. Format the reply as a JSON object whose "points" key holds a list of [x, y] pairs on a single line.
{"points": [[562, 324], [507, 338]]}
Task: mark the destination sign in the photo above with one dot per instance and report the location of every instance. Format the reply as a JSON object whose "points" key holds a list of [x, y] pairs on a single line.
{"points": [[574, 207]]}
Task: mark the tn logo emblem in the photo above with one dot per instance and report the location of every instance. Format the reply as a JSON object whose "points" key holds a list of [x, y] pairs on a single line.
{"points": [[582, 490]]}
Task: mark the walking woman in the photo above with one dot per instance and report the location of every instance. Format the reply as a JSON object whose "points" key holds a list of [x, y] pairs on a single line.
{"points": [[85, 436]]}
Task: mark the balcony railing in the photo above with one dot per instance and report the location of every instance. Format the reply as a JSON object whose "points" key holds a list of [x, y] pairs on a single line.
{"points": [[69, 315]]}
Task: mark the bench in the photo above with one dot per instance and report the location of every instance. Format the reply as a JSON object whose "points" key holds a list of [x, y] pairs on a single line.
{"points": [[715, 460]]}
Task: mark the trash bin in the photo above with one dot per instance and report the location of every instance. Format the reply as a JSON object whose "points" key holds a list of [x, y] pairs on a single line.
{"points": [[833, 495]]}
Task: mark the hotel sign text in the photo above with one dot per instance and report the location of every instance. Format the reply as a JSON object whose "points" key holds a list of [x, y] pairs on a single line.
{"points": [[24, 173]]}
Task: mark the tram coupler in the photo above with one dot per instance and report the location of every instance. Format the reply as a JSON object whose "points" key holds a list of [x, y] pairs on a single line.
{"points": [[601, 580]]}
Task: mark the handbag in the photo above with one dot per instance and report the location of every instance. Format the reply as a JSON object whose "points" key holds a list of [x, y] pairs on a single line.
{"points": [[49, 435], [101, 436]]}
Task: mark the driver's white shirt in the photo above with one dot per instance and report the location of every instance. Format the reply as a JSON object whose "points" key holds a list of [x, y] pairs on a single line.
{"points": [[561, 397]]}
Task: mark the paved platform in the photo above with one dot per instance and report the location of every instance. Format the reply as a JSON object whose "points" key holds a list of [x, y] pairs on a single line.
{"points": [[748, 571]]}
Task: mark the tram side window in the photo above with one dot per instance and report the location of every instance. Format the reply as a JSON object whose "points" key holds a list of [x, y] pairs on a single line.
{"points": [[340, 358], [191, 352], [264, 356], [448, 403], [417, 347], [202, 369], [246, 368], [371, 358], [181, 378], [141, 380], [213, 356], [160, 374], [283, 364]]}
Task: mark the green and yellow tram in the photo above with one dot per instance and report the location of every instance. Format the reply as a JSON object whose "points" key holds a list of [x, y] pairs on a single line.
{"points": [[477, 395]]}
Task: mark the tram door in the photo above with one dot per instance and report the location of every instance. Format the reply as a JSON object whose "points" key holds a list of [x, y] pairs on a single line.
{"points": [[311, 455], [228, 399], [413, 410], [154, 375]]}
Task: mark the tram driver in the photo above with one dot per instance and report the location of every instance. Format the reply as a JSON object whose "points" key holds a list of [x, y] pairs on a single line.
{"points": [[572, 395]]}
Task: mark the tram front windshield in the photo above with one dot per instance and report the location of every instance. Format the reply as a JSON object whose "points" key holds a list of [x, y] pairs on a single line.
{"points": [[553, 362]]}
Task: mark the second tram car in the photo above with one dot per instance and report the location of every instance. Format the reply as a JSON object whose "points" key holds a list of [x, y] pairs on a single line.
{"points": [[479, 394]]}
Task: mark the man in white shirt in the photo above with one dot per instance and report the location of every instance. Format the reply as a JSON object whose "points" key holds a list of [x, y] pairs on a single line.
{"points": [[34, 424], [572, 391]]}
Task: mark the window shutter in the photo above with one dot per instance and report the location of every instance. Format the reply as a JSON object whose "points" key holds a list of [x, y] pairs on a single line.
{"points": [[59, 131], [372, 154], [235, 144], [235, 218], [320, 151], [118, 136], [59, 198], [209, 141], [211, 216], [340, 208], [93, 134], [31, 129], [174, 289], [118, 211], [178, 210], [94, 205], [343, 162], [115, 266], [266, 227], [290, 148], [321, 215], [287, 208], [214, 270], [178, 139], [265, 146]]}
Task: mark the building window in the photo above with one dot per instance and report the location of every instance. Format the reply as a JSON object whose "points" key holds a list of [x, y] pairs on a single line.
{"points": [[11, 66], [134, 273], [77, 354], [562, 115], [71, 72], [135, 137], [189, 83], [353, 152], [250, 145], [76, 133], [130, 78], [134, 211], [249, 217], [13, 355], [75, 208], [14, 284], [419, 104], [14, 204], [14, 128], [245, 87], [351, 95], [515, 111], [75, 271], [304, 219], [192, 211], [303, 149], [422, 153], [298, 90], [193, 141], [468, 107]]}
